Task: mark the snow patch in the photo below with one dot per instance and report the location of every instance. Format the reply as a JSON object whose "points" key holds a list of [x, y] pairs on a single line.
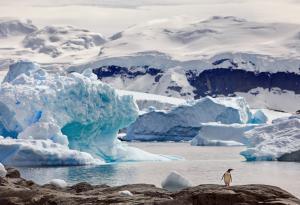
{"points": [[125, 193]]}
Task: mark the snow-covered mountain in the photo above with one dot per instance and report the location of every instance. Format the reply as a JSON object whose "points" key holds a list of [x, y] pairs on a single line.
{"points": [[190, 59], [55, 47], [179, 57]]}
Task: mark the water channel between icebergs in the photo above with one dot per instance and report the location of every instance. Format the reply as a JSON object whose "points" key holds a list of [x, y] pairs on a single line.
{"points": [[202, 165]]}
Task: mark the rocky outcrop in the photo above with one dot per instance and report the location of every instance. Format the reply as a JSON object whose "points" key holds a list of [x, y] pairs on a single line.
{"points": [[290, 157], [15, 191]]}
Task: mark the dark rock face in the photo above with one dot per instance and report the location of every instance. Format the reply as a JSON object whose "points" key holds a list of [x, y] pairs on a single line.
{"points": [[132, 72], [290, 157], [12, 173], [224, 81], [17, 191], [213, 82]]}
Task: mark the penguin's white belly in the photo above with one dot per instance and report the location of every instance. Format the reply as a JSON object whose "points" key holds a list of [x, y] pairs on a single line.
{"points": [[227, 178]]}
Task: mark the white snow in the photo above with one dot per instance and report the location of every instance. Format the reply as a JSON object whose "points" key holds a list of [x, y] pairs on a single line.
{"points": [[194, 43], [125, 193], [74, 110], [175, 182], [174, 45], [270, 142], [214, 134], [2, 170], [59, 183], [183, 122]]}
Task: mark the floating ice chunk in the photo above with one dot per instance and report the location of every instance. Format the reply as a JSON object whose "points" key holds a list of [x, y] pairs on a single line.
{"points": [[125, 193], [2, 171], [21, 152], [183, 122], [175, 182], [216, 134], [270, 142], [59, 183]]}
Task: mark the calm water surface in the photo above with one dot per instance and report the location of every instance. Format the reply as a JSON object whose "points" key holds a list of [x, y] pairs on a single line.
{"points": [[202, 165]]}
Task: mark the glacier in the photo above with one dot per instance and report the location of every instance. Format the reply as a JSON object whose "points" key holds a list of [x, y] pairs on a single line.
{"points": [[73, 111], [278, 141], [184, 121], [217, 134]]}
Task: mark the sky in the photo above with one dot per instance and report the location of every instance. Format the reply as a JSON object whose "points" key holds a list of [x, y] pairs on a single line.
{"points": [[111, 16]]}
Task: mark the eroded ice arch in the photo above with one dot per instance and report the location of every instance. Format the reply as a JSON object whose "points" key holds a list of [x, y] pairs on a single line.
{"points": [[73, 110]]}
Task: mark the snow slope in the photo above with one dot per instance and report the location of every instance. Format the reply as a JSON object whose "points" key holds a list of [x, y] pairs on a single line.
{"points": [[189, 43]]}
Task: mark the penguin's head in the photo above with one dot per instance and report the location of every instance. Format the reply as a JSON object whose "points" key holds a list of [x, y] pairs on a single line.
{"points": [[229, 170]]}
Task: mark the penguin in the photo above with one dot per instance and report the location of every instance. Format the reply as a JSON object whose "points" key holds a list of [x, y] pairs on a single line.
{"points": [[227, 177]]}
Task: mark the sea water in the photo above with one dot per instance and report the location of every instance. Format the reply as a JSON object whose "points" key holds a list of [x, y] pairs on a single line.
{"points": [[202, 165]]}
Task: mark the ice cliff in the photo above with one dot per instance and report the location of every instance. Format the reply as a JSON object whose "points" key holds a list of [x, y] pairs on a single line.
{"points": [[58, 117]]}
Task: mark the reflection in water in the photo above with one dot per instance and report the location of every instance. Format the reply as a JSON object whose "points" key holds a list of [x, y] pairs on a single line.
{"points": [[203, 165]]}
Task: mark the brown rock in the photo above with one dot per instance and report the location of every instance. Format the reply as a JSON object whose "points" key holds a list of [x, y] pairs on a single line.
{"points": [[12, 173], [20, 191]]}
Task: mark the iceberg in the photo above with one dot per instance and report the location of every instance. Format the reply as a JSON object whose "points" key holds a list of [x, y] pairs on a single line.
{"points": [[278, 141], [73, 111], [184, 121], [216, 134]]}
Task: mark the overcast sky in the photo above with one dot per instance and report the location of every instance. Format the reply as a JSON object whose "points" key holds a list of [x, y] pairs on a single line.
{"points": [[110, 16]]}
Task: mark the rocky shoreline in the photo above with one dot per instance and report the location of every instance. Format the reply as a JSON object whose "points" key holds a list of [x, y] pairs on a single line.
{"points": [[15, 190]]}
